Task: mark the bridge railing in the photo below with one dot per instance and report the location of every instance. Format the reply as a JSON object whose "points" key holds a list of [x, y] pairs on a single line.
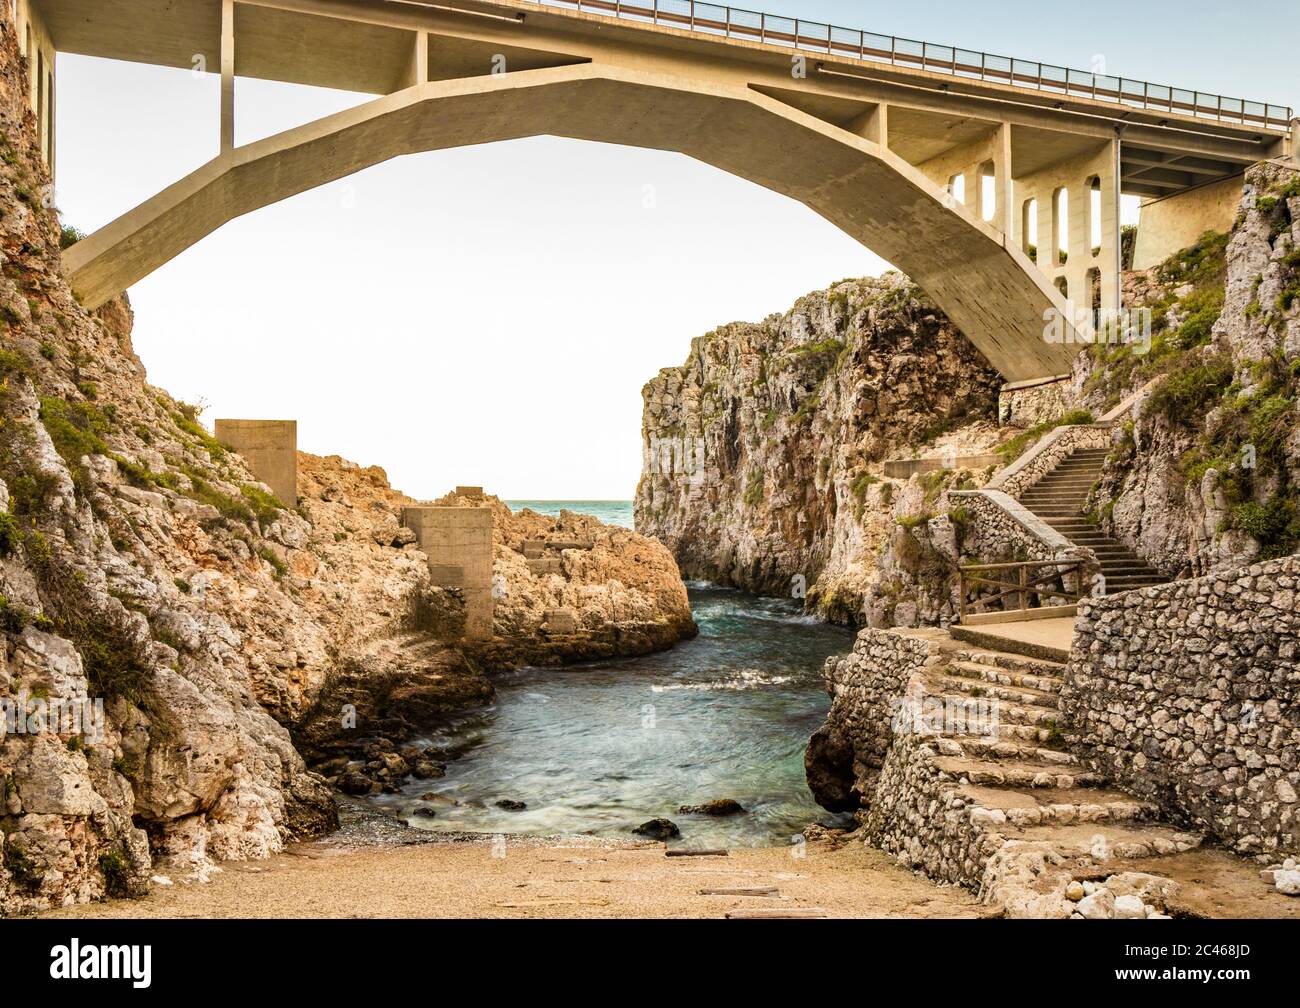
{"points": [[815, 36]]}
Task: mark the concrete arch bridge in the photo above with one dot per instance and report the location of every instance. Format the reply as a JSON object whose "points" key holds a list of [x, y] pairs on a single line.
{"points": [[952, 165]]}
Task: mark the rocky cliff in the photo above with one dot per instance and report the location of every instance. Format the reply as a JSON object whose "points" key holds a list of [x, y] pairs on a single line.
{"points": [[763, 451], [1206, 474], [173, 640]]}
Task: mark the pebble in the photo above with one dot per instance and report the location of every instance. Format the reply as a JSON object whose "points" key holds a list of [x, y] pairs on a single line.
{"points": [[1075, 892]]}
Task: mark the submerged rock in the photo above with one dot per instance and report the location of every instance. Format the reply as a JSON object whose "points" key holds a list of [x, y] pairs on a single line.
{"points": [[511, 805], [717, 807]]}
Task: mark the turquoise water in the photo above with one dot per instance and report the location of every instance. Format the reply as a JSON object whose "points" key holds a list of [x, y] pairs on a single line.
{"points": [[600, 748], [611, 512]]}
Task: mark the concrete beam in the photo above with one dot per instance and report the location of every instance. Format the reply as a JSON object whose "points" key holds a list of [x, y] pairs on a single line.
{"points": [[973, 272], [458, 543], [270, 447]]}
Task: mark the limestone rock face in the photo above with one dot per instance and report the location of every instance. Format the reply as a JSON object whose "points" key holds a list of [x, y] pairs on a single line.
{"points": [[762, 452]]}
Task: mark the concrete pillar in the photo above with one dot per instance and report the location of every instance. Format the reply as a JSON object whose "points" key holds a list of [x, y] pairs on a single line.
{"points": [[458, 542], [270, 447], [420, 59], [1003, 213], [227, 75], [1110, 262], [1294, 153]]}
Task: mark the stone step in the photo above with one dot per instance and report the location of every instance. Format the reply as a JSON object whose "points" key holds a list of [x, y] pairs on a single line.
{"points": [[1015, 731], [986, 638], [1008, 712], [1135, 579], [1061, 481], [1116, 841], [993, 807], [975, 748], [1026, 664], [1016, 774], [964, 682]]}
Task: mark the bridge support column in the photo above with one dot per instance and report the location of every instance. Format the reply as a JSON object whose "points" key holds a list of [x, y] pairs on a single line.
{"points": [[270, 447], [458, 542], [419, 72], [1084, 270], [1294, 153], [1002, 218], [227, 75]]}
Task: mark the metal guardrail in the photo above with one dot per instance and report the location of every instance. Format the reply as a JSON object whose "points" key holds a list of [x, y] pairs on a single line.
{"points": [[814, 36]]}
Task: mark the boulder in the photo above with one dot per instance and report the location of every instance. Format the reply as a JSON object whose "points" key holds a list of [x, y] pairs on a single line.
{"points": [[658, 829]]}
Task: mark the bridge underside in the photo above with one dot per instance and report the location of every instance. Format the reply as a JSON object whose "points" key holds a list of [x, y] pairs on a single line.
{"points": [[956, 182], [988, 289]]}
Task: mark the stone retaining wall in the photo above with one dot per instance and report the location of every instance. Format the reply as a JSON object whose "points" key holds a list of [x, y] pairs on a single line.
{"points": [[1001, 529], [1051, 450], [1189, 694]]}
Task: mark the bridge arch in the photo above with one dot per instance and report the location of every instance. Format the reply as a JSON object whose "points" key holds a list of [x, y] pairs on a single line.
{"points": [[986, 285]]}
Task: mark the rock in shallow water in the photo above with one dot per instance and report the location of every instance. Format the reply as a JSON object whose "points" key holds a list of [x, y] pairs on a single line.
{"points": [[658, 829], [511, 805], [717, 807]]}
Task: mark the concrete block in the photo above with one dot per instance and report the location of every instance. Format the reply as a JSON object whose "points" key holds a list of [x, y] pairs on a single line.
{"points": [[270, 447], [458, 542], [546, 566]]}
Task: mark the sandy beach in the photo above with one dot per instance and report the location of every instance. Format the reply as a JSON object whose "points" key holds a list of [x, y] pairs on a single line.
{"points": [[533, 879]]}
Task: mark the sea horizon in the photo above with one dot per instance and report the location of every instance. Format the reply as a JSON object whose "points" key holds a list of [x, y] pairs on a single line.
{"points": [[612, 511]]}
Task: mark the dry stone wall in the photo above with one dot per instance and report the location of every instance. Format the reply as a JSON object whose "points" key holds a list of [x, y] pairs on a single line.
{"points": [[1189, 694]]}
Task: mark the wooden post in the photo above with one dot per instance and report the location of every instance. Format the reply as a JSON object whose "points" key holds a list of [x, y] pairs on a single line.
{"points": [[1024, 598]]}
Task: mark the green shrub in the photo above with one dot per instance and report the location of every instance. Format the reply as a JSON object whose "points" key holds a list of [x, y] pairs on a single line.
{"points": [[117, 876], [1184, 395], [263, 505], [754, 490], [15, 619], [10, 534], [278, 565], [860, 484], [1276, 525], [22, 869]]}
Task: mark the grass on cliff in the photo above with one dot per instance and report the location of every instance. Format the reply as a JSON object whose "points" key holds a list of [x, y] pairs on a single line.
{"points": [[1120, 367], [1013, 448]]}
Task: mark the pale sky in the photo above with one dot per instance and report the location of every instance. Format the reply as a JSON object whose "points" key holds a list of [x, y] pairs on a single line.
{"points": [[488, 315]]}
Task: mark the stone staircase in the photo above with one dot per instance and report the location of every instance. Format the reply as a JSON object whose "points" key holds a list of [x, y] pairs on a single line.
{"points": [[1003, 807], [1058, 498]]}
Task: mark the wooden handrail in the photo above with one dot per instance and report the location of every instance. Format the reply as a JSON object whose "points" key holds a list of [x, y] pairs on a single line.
{"points": [[1046, 584]]}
